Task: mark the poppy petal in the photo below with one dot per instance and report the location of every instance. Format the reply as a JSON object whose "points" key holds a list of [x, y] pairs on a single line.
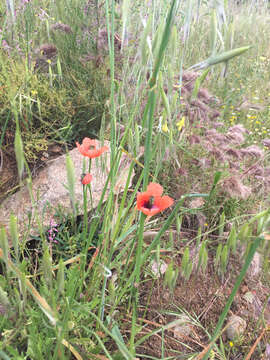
{"points": [[89, 142], [87, 179], [154, 189], [150, 212], [163, 202], [88, 148]]}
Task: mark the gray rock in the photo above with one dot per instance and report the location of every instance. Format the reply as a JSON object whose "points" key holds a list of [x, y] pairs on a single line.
{"points": [[183, 328], [50, 190], [254, 269], [236, 327], [267, 352]]}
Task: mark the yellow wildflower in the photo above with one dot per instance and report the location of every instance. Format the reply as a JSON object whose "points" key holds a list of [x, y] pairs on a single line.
{"points": [[181, 123], [165, 127]]}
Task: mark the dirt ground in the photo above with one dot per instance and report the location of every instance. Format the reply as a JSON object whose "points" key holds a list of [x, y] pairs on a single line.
{"points": [[202, 298]]}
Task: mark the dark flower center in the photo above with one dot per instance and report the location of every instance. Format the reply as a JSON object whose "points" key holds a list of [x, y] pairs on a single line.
{"points": [[149, 204]]}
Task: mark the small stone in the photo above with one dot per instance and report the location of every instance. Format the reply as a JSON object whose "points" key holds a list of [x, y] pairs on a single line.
{"points": [[244, 289], [236, 327], [249, 297], [183, 328], [159, 268], [267, 352], [254, 269]]}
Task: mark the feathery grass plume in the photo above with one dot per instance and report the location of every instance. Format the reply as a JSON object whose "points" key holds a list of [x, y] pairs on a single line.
{"points": [[4, 243], [216, 137], [171, 275], [234, 136], [234, 187], [232, 239], [224, 258], [61, 278], [218, 154], [244, 233], [179, 220], [218, 256], [221, 224], [253, 151], [234, 153], [71, 178], [203, 257], [4, 301], [185, 263], [59, 69], [62, 27], [14, 234], [47, 268]]}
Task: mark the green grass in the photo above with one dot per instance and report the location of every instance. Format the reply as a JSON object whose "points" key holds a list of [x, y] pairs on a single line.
{"points": [[82, 295]]}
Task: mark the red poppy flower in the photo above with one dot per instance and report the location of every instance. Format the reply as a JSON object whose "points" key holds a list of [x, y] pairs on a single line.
{"points": [[89, 148], [151, 202], [86, 179]]}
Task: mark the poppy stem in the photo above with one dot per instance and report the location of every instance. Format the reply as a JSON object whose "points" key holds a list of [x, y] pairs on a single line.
{"points": [[137, 270]]}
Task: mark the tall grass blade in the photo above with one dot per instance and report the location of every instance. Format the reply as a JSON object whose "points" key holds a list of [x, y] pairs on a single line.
{"points": [[14, 234], [125, 12], [213, 33], [223, 57], [71, 178], [4, 243], [19, 151], [188, 20], [164, 43]]}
